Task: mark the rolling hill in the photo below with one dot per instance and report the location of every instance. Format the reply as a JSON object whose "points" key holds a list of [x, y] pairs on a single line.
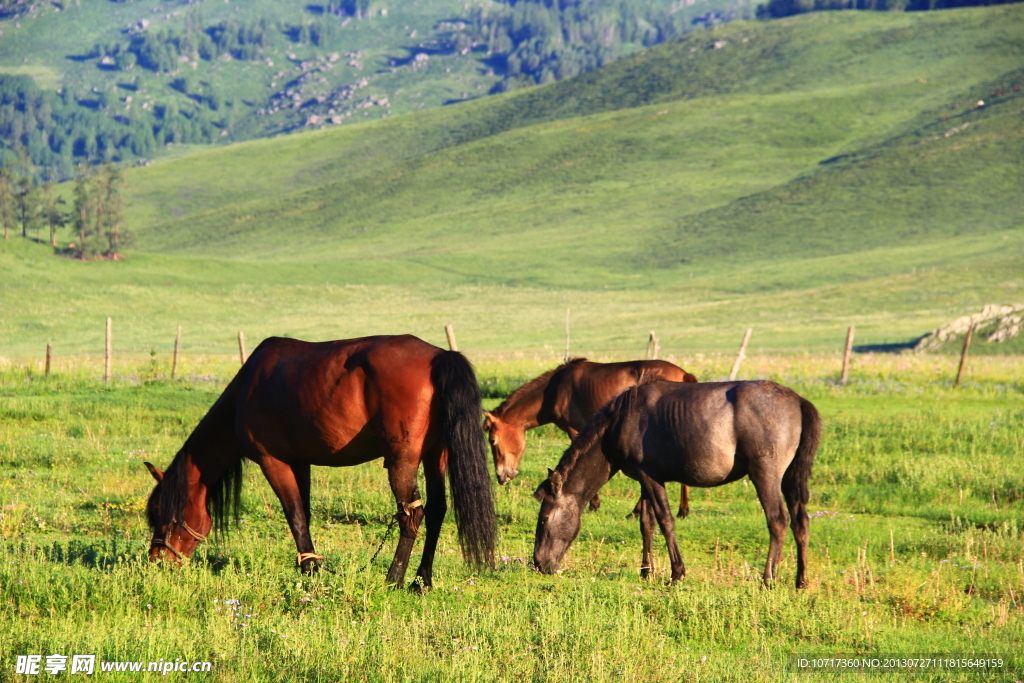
{"points": [[132, 81], [799, 175]]}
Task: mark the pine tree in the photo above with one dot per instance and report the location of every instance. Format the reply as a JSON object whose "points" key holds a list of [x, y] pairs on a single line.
{"points": [[6, 201], [109, 189], [84, 212], [53, 212], [25, 202]]}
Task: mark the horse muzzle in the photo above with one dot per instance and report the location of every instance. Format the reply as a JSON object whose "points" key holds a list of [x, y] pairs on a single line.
{"points": [[546, 566], [506, 475], [160, 552]]}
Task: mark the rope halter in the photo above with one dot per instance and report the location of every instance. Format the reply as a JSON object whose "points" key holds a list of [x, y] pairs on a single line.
{"points": [[162, 542]]}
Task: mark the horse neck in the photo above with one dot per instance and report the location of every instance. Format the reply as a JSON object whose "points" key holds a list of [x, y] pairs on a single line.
{"points": [[587, 474], [524, 408]]}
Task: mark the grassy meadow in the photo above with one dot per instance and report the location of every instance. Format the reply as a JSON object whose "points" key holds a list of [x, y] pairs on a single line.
{"points": [[795, 176], [916, 545]]}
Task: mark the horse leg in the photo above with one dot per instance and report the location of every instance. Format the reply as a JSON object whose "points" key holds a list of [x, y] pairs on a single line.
{"points": [[769, 492], [291, 484], [402, 477], [437, 506], [799, 524], [655, 496], [684, 502], [646, 514]]}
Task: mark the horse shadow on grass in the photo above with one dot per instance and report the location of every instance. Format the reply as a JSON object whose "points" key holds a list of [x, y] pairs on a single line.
{"points": [[108, 555]]}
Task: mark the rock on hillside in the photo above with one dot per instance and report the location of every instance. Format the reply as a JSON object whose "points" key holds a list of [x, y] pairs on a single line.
{"points": [[998, 322]]}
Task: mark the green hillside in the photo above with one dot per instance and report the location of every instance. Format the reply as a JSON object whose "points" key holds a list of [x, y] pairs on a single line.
{"points": [[716, 137], [798, 175], [88, 80]]}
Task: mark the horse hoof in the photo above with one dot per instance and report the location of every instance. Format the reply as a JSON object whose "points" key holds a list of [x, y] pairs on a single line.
{"points": [[593, 508], [419, 586], [683, 513], [310, 567]]}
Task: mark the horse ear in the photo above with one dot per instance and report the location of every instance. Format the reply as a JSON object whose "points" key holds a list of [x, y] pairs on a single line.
{"points": [[540, 494], [157, 474], [556, 482], [488, 418]]}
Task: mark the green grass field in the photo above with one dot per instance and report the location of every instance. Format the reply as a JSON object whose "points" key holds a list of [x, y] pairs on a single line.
{"points": [[915, 541], [805, 175]]}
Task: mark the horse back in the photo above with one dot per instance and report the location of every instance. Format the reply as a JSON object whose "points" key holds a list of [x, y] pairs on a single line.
{"points": [[586, 387], [708, 434], [329, 403]]}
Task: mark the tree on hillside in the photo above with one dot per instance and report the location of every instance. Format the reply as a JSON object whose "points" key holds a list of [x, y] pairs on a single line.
{"points": [[24, 190], [84, 212], [6, 201], [25, 202], [97, 216], [52, 211], [109, 189]]}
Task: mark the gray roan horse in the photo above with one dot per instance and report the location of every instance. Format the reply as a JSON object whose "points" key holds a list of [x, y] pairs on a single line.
{"points": [[698, 434]]}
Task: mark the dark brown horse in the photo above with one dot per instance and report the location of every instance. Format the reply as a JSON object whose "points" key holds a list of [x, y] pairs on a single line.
{"points": [[699, 434], [295, 404], [568, 396]]}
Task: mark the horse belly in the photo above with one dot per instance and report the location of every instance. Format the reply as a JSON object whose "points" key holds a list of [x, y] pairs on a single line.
{"points": [[363, 447], [704, 463]]}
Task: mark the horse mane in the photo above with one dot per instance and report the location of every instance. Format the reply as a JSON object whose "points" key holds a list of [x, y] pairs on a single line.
{"points": [[595, 430], [170, 497], [646, 375], [531, 385]]}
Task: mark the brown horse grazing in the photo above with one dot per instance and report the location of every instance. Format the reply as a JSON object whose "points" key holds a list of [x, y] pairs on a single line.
{"points": [[295, 404], [699, 434], [568, 396]]}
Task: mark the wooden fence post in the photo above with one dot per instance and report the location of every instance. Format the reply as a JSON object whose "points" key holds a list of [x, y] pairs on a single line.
{"points": [[741, 355], [846, 356], [49, 354], [449, 332], [653, 346], [963, 354], [109, 352], [566, 335], [177, 346], [241, 347]]}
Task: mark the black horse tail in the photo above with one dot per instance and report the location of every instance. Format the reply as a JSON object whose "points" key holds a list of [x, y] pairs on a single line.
{"points": [[794, 481], [456, 386]]}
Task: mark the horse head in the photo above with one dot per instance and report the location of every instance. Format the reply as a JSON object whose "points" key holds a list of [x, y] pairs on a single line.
{"points": [[557, 524], [508, 441], [173, 537]]}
